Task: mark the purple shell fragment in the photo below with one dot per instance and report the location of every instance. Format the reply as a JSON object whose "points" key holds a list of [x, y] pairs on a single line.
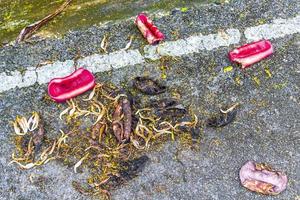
{"points": [[262, 178]]}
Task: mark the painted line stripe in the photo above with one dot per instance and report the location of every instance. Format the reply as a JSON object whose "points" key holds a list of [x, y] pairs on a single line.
{"points": [[100, 63], [279, 28], [193, 44]]}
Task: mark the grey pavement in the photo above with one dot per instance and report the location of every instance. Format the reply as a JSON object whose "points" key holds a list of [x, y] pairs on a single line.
{"points": [[267, 128]]}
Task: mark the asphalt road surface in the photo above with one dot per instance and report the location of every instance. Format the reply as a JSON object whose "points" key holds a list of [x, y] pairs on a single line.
{"points": [[267, 127]]}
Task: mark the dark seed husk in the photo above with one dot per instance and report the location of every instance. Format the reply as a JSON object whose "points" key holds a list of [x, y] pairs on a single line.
{"points": [[222, 119], [130, 170], [164, 103], [148, 86], [39, 136]]}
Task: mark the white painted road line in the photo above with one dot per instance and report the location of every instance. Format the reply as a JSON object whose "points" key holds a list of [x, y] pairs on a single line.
{"points": [[193, 44], [100, 63], [279, 28]]}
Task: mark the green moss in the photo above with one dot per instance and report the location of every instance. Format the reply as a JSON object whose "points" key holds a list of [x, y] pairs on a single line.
{"points": [[79, 15]]}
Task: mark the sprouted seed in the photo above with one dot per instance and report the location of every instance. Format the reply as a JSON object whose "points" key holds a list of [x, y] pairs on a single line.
{"points": [[80, 162], [104, 43], [119, 133], [128, 45]]}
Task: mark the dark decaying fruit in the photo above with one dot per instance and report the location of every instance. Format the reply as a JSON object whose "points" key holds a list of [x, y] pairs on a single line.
{"points": [[223, 118], [168, 108], [130, 170], [262, 178], [148, 86]]}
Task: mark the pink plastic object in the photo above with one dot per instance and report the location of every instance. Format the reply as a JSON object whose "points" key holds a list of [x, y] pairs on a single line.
{"points": [[149, 31], [251, 53], [62, 89]]}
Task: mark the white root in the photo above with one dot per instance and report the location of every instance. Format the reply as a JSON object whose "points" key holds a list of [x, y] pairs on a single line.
{"points": [[229, 109], [80, 162], [128, 45], [33, 121], [104, 44], [91, 95], [27, 166], [63, 113]]}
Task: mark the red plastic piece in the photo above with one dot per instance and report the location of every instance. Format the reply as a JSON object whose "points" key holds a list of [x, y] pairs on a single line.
{"points": [[148, 29], [251, 53], [62, 89]]}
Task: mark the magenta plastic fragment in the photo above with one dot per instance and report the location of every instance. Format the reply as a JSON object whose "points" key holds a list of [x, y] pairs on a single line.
{"points": [[62, 89], [262, 178], [148, 29], [251, 53]]}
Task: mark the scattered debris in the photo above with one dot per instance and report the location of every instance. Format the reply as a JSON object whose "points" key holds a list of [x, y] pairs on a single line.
{"points": [[29, 144], [111, 147], [262, 178], [62, 89], [29, 30], [251, 53], [149, 31], [148, 86], [22, 125], [225, 117]]}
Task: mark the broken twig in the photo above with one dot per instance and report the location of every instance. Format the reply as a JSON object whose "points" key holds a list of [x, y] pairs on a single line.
{"points": [[30, 29]]}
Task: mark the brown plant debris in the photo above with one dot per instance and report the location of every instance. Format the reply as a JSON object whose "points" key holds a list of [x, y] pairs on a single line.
{"points": [[110, 148]]}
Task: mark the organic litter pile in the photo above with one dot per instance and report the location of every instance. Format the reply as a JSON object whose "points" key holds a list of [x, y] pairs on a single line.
{"points": [[106, 135]]}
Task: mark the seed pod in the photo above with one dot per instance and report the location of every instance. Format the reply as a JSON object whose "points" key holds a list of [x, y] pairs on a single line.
{"points": [[127, 118], [117, 124], [225, 117], [62, 89], [251, 53], [149, 31], [148, 86], [222, 119], [262, 178]]}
